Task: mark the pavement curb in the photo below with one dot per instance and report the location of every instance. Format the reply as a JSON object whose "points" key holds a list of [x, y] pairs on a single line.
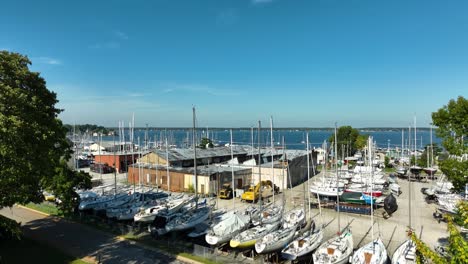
{"points": [[30, 209]]}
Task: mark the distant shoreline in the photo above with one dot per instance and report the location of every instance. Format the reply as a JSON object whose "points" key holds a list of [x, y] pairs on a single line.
{"points": [[363, 129]]}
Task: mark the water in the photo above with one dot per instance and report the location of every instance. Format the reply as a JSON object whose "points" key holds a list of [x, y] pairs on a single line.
{"points": [[293, 139]]}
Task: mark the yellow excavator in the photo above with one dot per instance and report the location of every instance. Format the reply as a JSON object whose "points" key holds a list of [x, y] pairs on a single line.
{"points": [[253, 193], [226, 192]]}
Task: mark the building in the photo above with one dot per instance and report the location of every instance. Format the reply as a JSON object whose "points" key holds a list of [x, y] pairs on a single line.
{"points": [[276, 166], [290, 168], [122, 160], [179, 157], [109, 146], [209, 177]]}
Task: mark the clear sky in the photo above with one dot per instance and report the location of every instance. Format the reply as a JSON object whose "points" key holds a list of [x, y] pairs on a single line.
{"points": [[364, 63]]}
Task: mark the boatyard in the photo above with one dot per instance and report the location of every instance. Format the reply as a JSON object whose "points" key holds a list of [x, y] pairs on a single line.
{"points": [[391, 229], [254, 131]]}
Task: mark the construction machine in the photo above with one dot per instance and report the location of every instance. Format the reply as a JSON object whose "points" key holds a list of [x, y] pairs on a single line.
{"points": [[226, 192]]}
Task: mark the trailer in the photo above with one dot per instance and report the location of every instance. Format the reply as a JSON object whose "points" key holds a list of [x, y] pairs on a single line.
{"points": [[354, 208]]}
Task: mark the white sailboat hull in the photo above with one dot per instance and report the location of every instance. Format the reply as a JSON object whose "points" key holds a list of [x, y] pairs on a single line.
{"points": [[303, 245], [336, 250], [405, 253], [372, 253]]}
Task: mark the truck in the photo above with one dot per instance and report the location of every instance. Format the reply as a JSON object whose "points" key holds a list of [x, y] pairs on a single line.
{"points": [[253, 192], [226, 192]]}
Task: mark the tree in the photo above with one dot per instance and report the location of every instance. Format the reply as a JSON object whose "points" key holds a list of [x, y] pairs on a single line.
{"points": [[33, 145], [350, 138], [206, 142], [452, 123]]}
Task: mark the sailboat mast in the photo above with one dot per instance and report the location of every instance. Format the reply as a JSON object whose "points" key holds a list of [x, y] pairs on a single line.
{"points": [[402, 139], [337, 182], [259, 165], [308, 172], [232, 172], [272, 163], [252, 137], [432, 150], [415, 144], [115, 168], [194, 154], [167, 167], [371, 188]]}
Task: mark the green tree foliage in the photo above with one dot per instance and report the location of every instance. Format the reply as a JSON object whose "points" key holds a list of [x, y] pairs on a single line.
{"points": [[9, 229], [424, 253], [452, 123], [461, 218], [387, 162], [63, 184], [206, 142], [422, 160], [349, 139], [33, 145]]}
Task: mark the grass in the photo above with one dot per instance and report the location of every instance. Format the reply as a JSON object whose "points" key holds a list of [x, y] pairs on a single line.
{"points": [[45, 207], [31, 251]]}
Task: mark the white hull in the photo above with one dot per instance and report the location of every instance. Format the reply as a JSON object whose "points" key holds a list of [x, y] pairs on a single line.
{"points": [[303, 245], [188, 221], [405, 253], [275, 241], [372, 253], [336, 250]]}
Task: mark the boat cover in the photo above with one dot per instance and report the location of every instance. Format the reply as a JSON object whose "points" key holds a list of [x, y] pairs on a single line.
{"points": [[231, 224], [390, 204]]}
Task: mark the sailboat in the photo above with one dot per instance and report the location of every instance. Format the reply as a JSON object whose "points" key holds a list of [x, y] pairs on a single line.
{"points": [[415, 169], [430, 170], [304, 245], [294, 217], [223, 231], [312, 238], [249, 237], [327, 187], [406, 252], [189, 219], [373, 252], [168, 208], [338, 249], [276, 240]]}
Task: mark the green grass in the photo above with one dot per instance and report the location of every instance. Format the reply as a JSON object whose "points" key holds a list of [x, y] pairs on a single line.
{"points": [[389, 170], [45, 207], [30, 251]]}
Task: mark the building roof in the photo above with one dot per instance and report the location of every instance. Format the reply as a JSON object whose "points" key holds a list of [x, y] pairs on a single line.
{"points": [[177, 154], [201, 170]]}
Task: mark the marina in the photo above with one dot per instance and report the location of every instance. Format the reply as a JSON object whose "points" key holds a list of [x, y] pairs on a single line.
{"points": [[391, 230]]}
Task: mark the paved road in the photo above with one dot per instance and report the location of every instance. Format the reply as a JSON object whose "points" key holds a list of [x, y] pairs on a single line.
{"points": [[82, 241]]}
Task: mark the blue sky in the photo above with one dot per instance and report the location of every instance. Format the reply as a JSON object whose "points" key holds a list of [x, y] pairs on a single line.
{"points": [[363, 63]]}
